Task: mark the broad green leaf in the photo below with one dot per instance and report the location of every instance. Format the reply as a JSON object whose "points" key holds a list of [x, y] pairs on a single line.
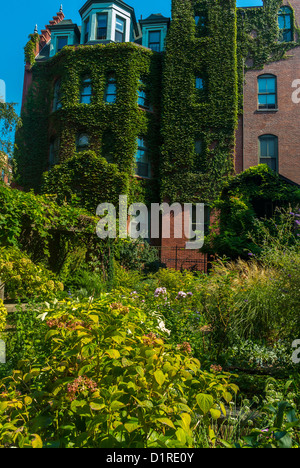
{"points": [[159, 377], [113, 353], [215, 413], [97, 406], [205, 402], [131, 425], [167, 422], [37, 442]]}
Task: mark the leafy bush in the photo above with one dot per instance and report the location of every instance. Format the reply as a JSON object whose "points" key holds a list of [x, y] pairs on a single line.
{"points": [[3, 315], [109, 380], [23, 279]]}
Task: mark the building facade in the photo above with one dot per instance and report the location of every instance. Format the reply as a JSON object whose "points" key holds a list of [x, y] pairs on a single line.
{"points": [[174, 105]]}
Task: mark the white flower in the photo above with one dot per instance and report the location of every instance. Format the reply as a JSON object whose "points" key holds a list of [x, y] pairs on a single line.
{"points": [[161, 326], [42, 316]]}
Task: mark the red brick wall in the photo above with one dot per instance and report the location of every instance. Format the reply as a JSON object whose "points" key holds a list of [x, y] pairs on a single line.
{"points": [[284, 123]]}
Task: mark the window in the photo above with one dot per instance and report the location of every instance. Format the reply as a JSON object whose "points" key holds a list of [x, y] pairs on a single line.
{"points": [[57, 96], [285, 24], [82, 142], [86, 30], [142, 159], [54, 152], [61, 42], [267, 92], [199, 83], [111, 89], [143, 100], [268, 151], [198, 147], [101, 27], [120, 30], [154, 41], [86, 91]]}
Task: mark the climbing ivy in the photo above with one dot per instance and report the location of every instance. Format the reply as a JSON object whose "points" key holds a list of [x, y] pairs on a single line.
{"points": [[118, 124]]}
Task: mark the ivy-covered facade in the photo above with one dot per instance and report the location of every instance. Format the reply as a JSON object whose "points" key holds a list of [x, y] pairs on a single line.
{"points": [[149, 108]]}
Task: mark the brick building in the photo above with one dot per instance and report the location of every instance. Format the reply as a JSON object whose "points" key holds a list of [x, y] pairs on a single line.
{"points": [[268, 130], [176, 105]]}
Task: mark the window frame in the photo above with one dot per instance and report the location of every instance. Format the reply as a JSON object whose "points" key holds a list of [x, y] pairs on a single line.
{"points": [[266, 157], [267, 106], [84, 86], [57, 99], [82, 148], [111, 80], [57, 42], [54, 152], [143, 98], [87, 30], [142, 148], [154, 42], [123, 33], [286, 11], [105, 15]]}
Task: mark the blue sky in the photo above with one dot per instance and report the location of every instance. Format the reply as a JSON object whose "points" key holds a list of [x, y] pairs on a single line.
{"points": [[19, 19]]}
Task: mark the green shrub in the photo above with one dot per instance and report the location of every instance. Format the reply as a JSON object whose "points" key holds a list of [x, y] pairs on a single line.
{"points": [[23, 279], [3, 316], [109, 381]]}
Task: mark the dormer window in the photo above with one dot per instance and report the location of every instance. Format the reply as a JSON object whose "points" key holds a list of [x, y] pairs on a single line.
{"points": [[101, 27], [154, 40], [120, 30], [62, 41], [86, 30]]}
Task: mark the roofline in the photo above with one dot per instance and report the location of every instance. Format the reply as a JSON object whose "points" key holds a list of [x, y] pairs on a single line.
{"points": [[65, 26], [163, 19], [117, 2]]}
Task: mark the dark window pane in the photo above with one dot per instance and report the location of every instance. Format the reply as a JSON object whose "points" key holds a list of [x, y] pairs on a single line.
{"points": [[154, 41], [61, 43], [102, 27]]}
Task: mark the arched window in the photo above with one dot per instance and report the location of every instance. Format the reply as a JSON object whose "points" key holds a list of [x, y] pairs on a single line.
{"points": [[267, 92], [82, 142], [86, 91], [268, 151], [111, 89], [285, 24], [57, 95]]}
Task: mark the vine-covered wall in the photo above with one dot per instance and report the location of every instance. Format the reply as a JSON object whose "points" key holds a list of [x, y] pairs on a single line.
{"points": [[119, 124]]}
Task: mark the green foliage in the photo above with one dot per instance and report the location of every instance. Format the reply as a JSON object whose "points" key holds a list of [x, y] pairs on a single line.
{"points": [[82, 176], [102, 122], [37, 225], [3, 316], [30, 48], [9, 122], [241, 205], [23, 279], [108, 380], [186, 176]]}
